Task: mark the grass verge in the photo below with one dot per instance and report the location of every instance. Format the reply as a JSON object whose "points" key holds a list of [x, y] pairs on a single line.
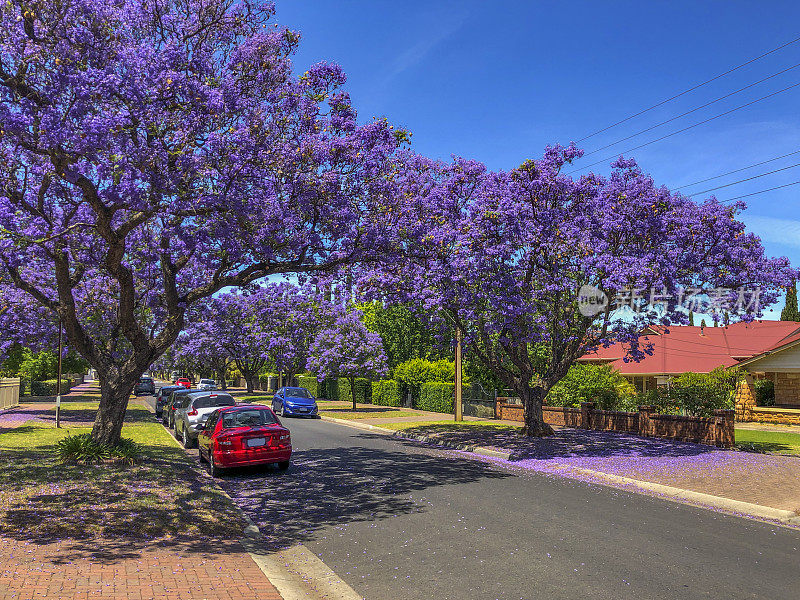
{"points": [[161, 498], [361, 413]]}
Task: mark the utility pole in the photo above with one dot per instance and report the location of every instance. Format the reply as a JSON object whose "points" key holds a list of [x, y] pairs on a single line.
{"points": [[458, 406], [58, 380]]}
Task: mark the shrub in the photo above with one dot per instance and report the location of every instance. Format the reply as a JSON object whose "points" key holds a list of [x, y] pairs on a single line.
{"points": [[48, 388], [699, 394], [416, 372], [695, 394], [83, 449], [601, 384], [765, 392], [387, 392], [310, 383]]}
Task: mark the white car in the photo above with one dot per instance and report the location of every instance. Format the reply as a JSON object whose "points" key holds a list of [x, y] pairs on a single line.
{"points": [[207, 384]]}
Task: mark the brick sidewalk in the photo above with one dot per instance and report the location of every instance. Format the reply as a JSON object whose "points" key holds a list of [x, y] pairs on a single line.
{"points": [[30, 571]]}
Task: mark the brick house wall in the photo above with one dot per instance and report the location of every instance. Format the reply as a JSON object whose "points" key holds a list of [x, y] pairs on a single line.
{"points": [[787, 389]]}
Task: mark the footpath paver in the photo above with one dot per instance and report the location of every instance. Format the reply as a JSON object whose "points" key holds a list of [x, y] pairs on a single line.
{"points": [[30, 571], [82, 565]]}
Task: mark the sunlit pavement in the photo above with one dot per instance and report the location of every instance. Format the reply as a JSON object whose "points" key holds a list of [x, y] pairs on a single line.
{"points": [[396, 520]]}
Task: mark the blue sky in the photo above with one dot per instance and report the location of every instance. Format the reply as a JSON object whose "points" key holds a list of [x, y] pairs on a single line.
{"points": [[497, 81]]}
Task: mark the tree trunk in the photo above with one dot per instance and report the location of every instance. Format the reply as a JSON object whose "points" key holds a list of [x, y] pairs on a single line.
{"points": [[248, 379], [353, 390], [223, 384], [532, 400], [114, 395]]}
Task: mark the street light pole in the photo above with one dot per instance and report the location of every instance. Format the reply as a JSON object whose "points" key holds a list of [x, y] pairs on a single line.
{"points": [[58, 381], [458, 405]]}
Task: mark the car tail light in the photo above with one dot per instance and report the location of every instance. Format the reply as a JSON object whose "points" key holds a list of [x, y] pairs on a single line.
{"points": [[192, 413]]}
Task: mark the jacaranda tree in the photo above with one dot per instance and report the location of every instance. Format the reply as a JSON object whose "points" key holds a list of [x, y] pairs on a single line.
{"points": [[293, 316], [346, 348], [153, 152], [508, 256]]}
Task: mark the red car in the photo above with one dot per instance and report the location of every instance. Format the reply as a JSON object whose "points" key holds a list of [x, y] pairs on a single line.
{"points": [[184, 381], [243, 435]]}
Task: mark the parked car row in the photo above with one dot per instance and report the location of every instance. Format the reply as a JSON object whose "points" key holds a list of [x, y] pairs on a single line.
{"points": [[229, 434]]}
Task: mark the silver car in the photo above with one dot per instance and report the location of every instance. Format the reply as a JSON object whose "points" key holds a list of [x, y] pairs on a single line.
{"points": [[194, 410], [207, 384]]}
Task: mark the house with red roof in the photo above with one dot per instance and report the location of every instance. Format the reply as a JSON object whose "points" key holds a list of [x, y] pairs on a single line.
{"points": [[766, 349]]}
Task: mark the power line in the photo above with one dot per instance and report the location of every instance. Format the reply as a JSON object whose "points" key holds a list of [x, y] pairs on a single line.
{"points": [[704, 121], [719, 187], [691, 89], [688, 112], [758, 164], [761, 191]]}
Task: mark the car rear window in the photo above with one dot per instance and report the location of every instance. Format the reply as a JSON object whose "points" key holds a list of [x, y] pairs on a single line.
{"points": [[248, 418], [209, 401], [207, 381], [145, 380]]}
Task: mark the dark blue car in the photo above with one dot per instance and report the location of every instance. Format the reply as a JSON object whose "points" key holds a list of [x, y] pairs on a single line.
{"points": [[294, 402]]}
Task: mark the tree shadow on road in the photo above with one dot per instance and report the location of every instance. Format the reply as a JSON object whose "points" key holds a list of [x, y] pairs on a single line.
{"points": [[338, 486], [566, 443]]}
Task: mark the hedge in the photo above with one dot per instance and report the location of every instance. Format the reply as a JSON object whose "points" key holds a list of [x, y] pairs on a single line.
{"points": [[436, 397], [328, 389], [363, 390], [387, 392], [310, 383], [48, 387]]}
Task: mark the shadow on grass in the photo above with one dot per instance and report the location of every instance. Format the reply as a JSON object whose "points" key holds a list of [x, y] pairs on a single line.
{"points": [[766, 447], [111, 512], [360, 410], [566, 442], [341, 485]]}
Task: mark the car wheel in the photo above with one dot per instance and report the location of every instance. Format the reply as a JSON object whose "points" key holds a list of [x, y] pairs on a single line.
{"points": [[283, 410], [283, 465], [187, 440], [213, 469]]}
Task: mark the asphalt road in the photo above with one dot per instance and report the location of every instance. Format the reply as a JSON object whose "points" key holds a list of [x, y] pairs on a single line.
{"points": [[398, 521]]}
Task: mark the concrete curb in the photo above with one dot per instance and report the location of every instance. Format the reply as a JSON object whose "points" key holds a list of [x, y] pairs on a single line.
{"points": [[683, 496]]}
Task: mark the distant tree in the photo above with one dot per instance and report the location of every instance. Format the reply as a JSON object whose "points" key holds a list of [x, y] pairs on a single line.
{"points": [[404, 334], [691, 319], [790, 312]]}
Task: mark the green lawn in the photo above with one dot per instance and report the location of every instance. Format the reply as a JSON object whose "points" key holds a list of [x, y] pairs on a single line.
{"points": [[768, 441], [161, 497]]}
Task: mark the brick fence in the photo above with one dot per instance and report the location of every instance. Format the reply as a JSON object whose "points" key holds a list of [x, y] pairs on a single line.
{"points": [[714, 431]]}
